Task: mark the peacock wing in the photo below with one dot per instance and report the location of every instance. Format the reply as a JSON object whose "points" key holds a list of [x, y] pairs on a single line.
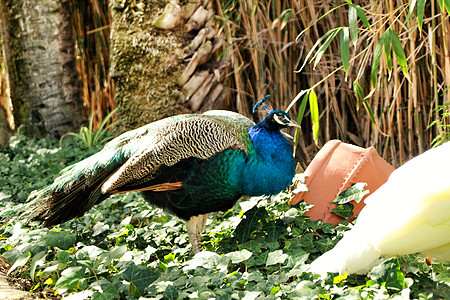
{"points": [[188, 136]]}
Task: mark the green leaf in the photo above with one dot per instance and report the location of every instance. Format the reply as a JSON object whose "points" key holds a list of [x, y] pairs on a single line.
{"points": [[389, 274], [370, 112], [276, 257], [313, 49], [239, 256], [376, 61], [345, 48], [354, 193], [61, 239], [70, 278], [37, 259], [249, 224], [20, 261], [398, 50], [353, 23], [139, 277], [314, 106], [170, 293], [343, 210], [412, 4], [358, 91], [387, 51], [274, 290], [298, 96], [340, 278], [420, 12], [301, 112], [324, 47], [274, 229], [447, 6], [109, 291], [362, 16], [324, 245]]}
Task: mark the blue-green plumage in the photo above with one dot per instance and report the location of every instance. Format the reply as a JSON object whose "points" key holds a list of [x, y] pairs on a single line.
{"points": [[189, 165]]}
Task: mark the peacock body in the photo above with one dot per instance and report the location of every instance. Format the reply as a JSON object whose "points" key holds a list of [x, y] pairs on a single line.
{"points": [[189, 165]]}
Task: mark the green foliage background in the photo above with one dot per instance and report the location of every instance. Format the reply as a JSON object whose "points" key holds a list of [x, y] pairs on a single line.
{"points": [[122, 248]]}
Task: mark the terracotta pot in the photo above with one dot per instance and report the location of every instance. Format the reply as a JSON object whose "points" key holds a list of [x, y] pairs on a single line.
{"points": [[334, 169]]}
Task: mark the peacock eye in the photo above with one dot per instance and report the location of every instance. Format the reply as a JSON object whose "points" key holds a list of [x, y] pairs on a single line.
{"points": [[280, 119]]}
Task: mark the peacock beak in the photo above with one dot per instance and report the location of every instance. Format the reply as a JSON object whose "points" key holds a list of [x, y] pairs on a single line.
{"points": [[292, 123]]}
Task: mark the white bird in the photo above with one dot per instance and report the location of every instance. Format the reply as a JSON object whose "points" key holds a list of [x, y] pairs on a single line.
{"points": [[410, 213]]}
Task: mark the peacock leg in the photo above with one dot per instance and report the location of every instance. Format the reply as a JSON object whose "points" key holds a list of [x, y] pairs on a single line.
{"points": [[195, 226]]}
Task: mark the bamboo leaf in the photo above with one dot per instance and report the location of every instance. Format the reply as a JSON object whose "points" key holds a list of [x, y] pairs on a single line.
{"points": [[362, 16], [387, 51], [420, 12], [314, 107], [447, 6], [411, 9], [345, 48], [301, 93], [311, 52], [376, 61], [359, 93], [398, 50], [370, 112], [301, 113], [324, 47], [353, 23]]}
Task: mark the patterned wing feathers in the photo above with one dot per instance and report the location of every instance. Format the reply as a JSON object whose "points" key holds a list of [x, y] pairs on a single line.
{"points": [[195, 136]]}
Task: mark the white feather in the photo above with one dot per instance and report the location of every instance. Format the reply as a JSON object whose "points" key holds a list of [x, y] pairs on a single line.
{"points": [[410, 213]]}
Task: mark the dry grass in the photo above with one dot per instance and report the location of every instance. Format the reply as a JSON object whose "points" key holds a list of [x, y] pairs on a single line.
{"points": [[91, 25], [264, 56]]}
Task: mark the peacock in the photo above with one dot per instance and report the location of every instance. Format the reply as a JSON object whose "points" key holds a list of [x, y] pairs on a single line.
{"points": [[410, 213], [189, 165]]}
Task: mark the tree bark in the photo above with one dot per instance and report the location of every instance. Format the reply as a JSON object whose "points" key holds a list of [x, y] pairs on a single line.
{"points": [[40, 63], [144, 64]]}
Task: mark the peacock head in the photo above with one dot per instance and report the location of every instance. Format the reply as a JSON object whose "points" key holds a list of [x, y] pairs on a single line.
{"points": [[276, 119]]}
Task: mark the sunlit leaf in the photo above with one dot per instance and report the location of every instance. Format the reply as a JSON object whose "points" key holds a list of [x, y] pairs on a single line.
{"points": [[354, 193], [340, 278], [412, 5], [353, 23], [35, 262], [324, 47], [20, 261], [313, 49], [389, 274], [345, 48], [276, 257], [398, 50], [314, 106], [239, 256], [70, 278]]}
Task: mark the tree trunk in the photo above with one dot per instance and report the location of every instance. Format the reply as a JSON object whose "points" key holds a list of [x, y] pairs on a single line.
{"points": [[144, 64], [40, 63]]}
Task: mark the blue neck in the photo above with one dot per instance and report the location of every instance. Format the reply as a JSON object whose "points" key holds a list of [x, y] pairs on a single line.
{"points": [[271, 167]]}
